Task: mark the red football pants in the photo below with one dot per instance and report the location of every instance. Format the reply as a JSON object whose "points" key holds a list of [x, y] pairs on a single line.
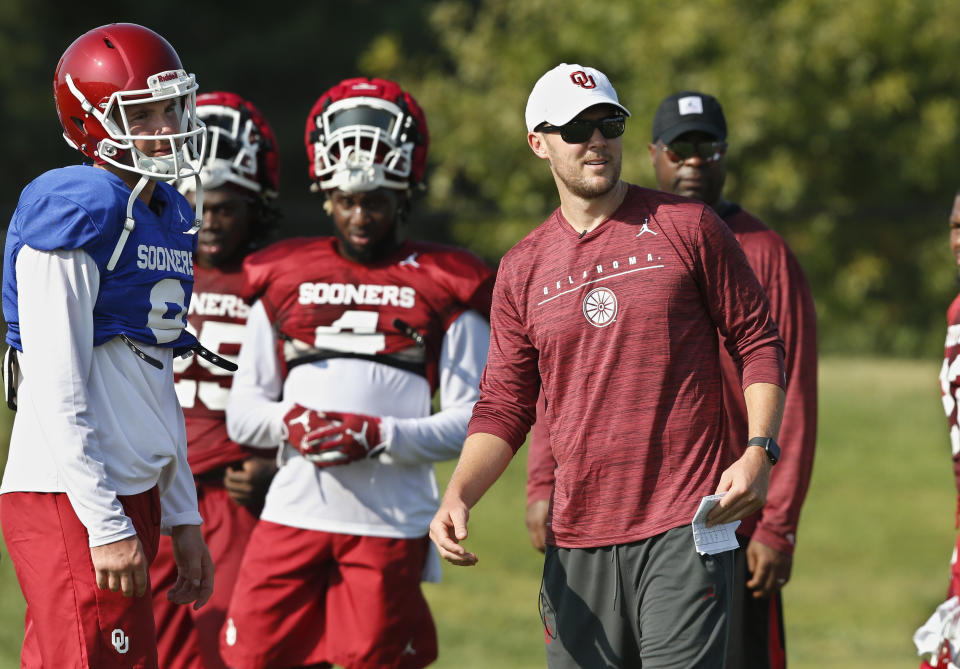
{"points": [[70, 622]]}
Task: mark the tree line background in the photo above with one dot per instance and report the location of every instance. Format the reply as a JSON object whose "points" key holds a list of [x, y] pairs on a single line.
{"points": [[844, 118]]}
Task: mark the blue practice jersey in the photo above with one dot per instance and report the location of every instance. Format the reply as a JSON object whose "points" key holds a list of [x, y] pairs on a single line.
{"points": [[146, 295]]}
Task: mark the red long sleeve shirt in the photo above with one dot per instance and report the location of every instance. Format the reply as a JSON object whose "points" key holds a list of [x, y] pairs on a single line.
{"points": [[791, 303], [620, 326]]}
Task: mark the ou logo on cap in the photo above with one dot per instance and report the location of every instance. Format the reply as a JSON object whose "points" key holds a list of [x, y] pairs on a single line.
{"points": [[600, 307], [582, 79]]}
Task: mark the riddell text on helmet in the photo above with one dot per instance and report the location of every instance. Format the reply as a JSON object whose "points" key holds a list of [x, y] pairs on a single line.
{"points": [[347, 293]]}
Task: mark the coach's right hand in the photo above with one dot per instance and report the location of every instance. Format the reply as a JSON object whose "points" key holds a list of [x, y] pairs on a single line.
{"points": [[121, 566]]}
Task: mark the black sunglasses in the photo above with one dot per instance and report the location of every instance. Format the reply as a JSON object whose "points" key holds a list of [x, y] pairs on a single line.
{"points": [[579, 131], [708, 152]]}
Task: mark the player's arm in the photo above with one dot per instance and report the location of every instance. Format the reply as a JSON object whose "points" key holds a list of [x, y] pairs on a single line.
{"points": [[440, 436], [57, 291], [255, 414], [746, 481], [482, 461], [332, 438]]}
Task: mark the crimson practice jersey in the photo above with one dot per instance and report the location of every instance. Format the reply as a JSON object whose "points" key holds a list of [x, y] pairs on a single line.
{"points": [[379, 339], [395, 311], [217, 316]]}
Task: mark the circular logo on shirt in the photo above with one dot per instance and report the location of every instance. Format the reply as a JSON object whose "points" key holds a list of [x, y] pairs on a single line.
{"points": [[600, 307]]}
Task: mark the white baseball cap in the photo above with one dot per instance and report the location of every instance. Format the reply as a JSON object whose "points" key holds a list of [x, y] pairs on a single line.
{"points": [[565, 91]]}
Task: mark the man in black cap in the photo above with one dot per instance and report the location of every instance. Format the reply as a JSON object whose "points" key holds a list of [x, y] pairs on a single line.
{"points": [[688, 151]]}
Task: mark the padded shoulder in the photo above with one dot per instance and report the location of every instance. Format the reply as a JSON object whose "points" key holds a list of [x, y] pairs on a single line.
{"points": [[70, 208]]}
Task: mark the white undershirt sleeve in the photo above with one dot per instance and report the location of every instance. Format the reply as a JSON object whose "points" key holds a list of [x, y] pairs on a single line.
{"points": [[254, 414], [56, 295], [441, 435]]}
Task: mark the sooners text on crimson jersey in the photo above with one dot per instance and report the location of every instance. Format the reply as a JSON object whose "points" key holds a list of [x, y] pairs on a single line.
{"points": [[394, 310]]}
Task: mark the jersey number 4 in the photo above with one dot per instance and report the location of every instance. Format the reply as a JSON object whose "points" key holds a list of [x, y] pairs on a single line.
{"points": [[353, 332]]}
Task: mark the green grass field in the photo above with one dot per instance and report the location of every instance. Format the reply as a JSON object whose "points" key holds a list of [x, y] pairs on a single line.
{"points": [[873, 545]]}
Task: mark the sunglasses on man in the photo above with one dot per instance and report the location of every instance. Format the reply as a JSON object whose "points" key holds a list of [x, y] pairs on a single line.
{"points": [[708, 152], [581, 130]]}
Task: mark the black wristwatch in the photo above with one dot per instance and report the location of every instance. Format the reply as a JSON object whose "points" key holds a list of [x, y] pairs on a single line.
{"points": [[768, 444]]}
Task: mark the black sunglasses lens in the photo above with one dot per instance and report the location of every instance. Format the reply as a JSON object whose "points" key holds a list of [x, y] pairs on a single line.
{"points": [[613, 127], [576, 132], [682, 150]]}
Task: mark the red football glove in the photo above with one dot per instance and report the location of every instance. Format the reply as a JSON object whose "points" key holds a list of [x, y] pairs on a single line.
{"points": [[330, 438]]}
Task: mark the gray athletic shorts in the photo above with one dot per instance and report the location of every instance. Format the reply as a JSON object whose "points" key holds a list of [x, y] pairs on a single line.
{"points": [[654, 603]]}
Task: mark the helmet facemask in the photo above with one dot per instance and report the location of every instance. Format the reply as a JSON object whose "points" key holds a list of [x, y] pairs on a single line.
{"points": [[233, 146], [187, 145], [364, 143]]}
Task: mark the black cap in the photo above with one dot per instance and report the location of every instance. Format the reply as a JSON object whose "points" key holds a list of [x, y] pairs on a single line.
{"points": [[687, 111]]}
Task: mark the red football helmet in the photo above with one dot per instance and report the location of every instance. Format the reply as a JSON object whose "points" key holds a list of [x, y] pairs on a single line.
{"points": [[110, 69], [364, 134], [241, 146]]}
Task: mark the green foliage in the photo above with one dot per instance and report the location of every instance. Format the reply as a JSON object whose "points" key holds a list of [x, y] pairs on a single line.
{"points": [[844, 117], [843, 126]]}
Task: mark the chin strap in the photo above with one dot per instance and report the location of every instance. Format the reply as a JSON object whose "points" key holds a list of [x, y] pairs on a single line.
{"points": [[128, 224], [198, 208]]}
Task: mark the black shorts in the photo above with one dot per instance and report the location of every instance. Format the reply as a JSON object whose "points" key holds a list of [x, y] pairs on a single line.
{"points": [[654, 603]]}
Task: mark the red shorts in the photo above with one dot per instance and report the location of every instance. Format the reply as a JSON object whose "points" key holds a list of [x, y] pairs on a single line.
{"points": [[305, 597], [70, 622], [189, 639]]}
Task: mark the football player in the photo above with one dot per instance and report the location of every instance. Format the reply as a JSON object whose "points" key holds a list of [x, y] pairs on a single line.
{"points": [[97, 278], [240, 180], [950, 394], [345, 345]]}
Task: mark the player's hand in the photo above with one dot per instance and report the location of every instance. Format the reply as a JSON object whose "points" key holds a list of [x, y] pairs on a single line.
{"points": [[745, 482], [247, 482], [537, 523], [770, 569], [194, 567], [331, 438], [121, 566], [448, 528]]}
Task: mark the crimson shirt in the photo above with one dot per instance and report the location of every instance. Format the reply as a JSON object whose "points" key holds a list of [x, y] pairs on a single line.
{"points": [[620, 325], [791, 303]]}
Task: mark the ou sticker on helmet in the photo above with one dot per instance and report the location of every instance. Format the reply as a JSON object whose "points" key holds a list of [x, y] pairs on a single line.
{"points": [[600, 307]]}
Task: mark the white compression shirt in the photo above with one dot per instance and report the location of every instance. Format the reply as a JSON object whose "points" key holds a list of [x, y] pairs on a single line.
{"points": [[92, 422]]}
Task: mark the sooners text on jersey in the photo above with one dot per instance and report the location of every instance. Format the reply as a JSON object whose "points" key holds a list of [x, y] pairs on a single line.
{"points": [[395, 310]]}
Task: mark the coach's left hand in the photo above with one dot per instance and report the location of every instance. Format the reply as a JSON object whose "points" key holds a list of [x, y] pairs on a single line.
{"points": [[194, 567], [745, 483], [769, 569]]}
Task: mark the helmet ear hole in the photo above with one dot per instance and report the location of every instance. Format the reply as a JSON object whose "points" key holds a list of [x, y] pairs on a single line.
{"points": [[79, 123]]}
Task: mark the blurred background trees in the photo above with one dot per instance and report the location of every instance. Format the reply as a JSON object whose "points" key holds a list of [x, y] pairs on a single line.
{"points": [[844, 117]]}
